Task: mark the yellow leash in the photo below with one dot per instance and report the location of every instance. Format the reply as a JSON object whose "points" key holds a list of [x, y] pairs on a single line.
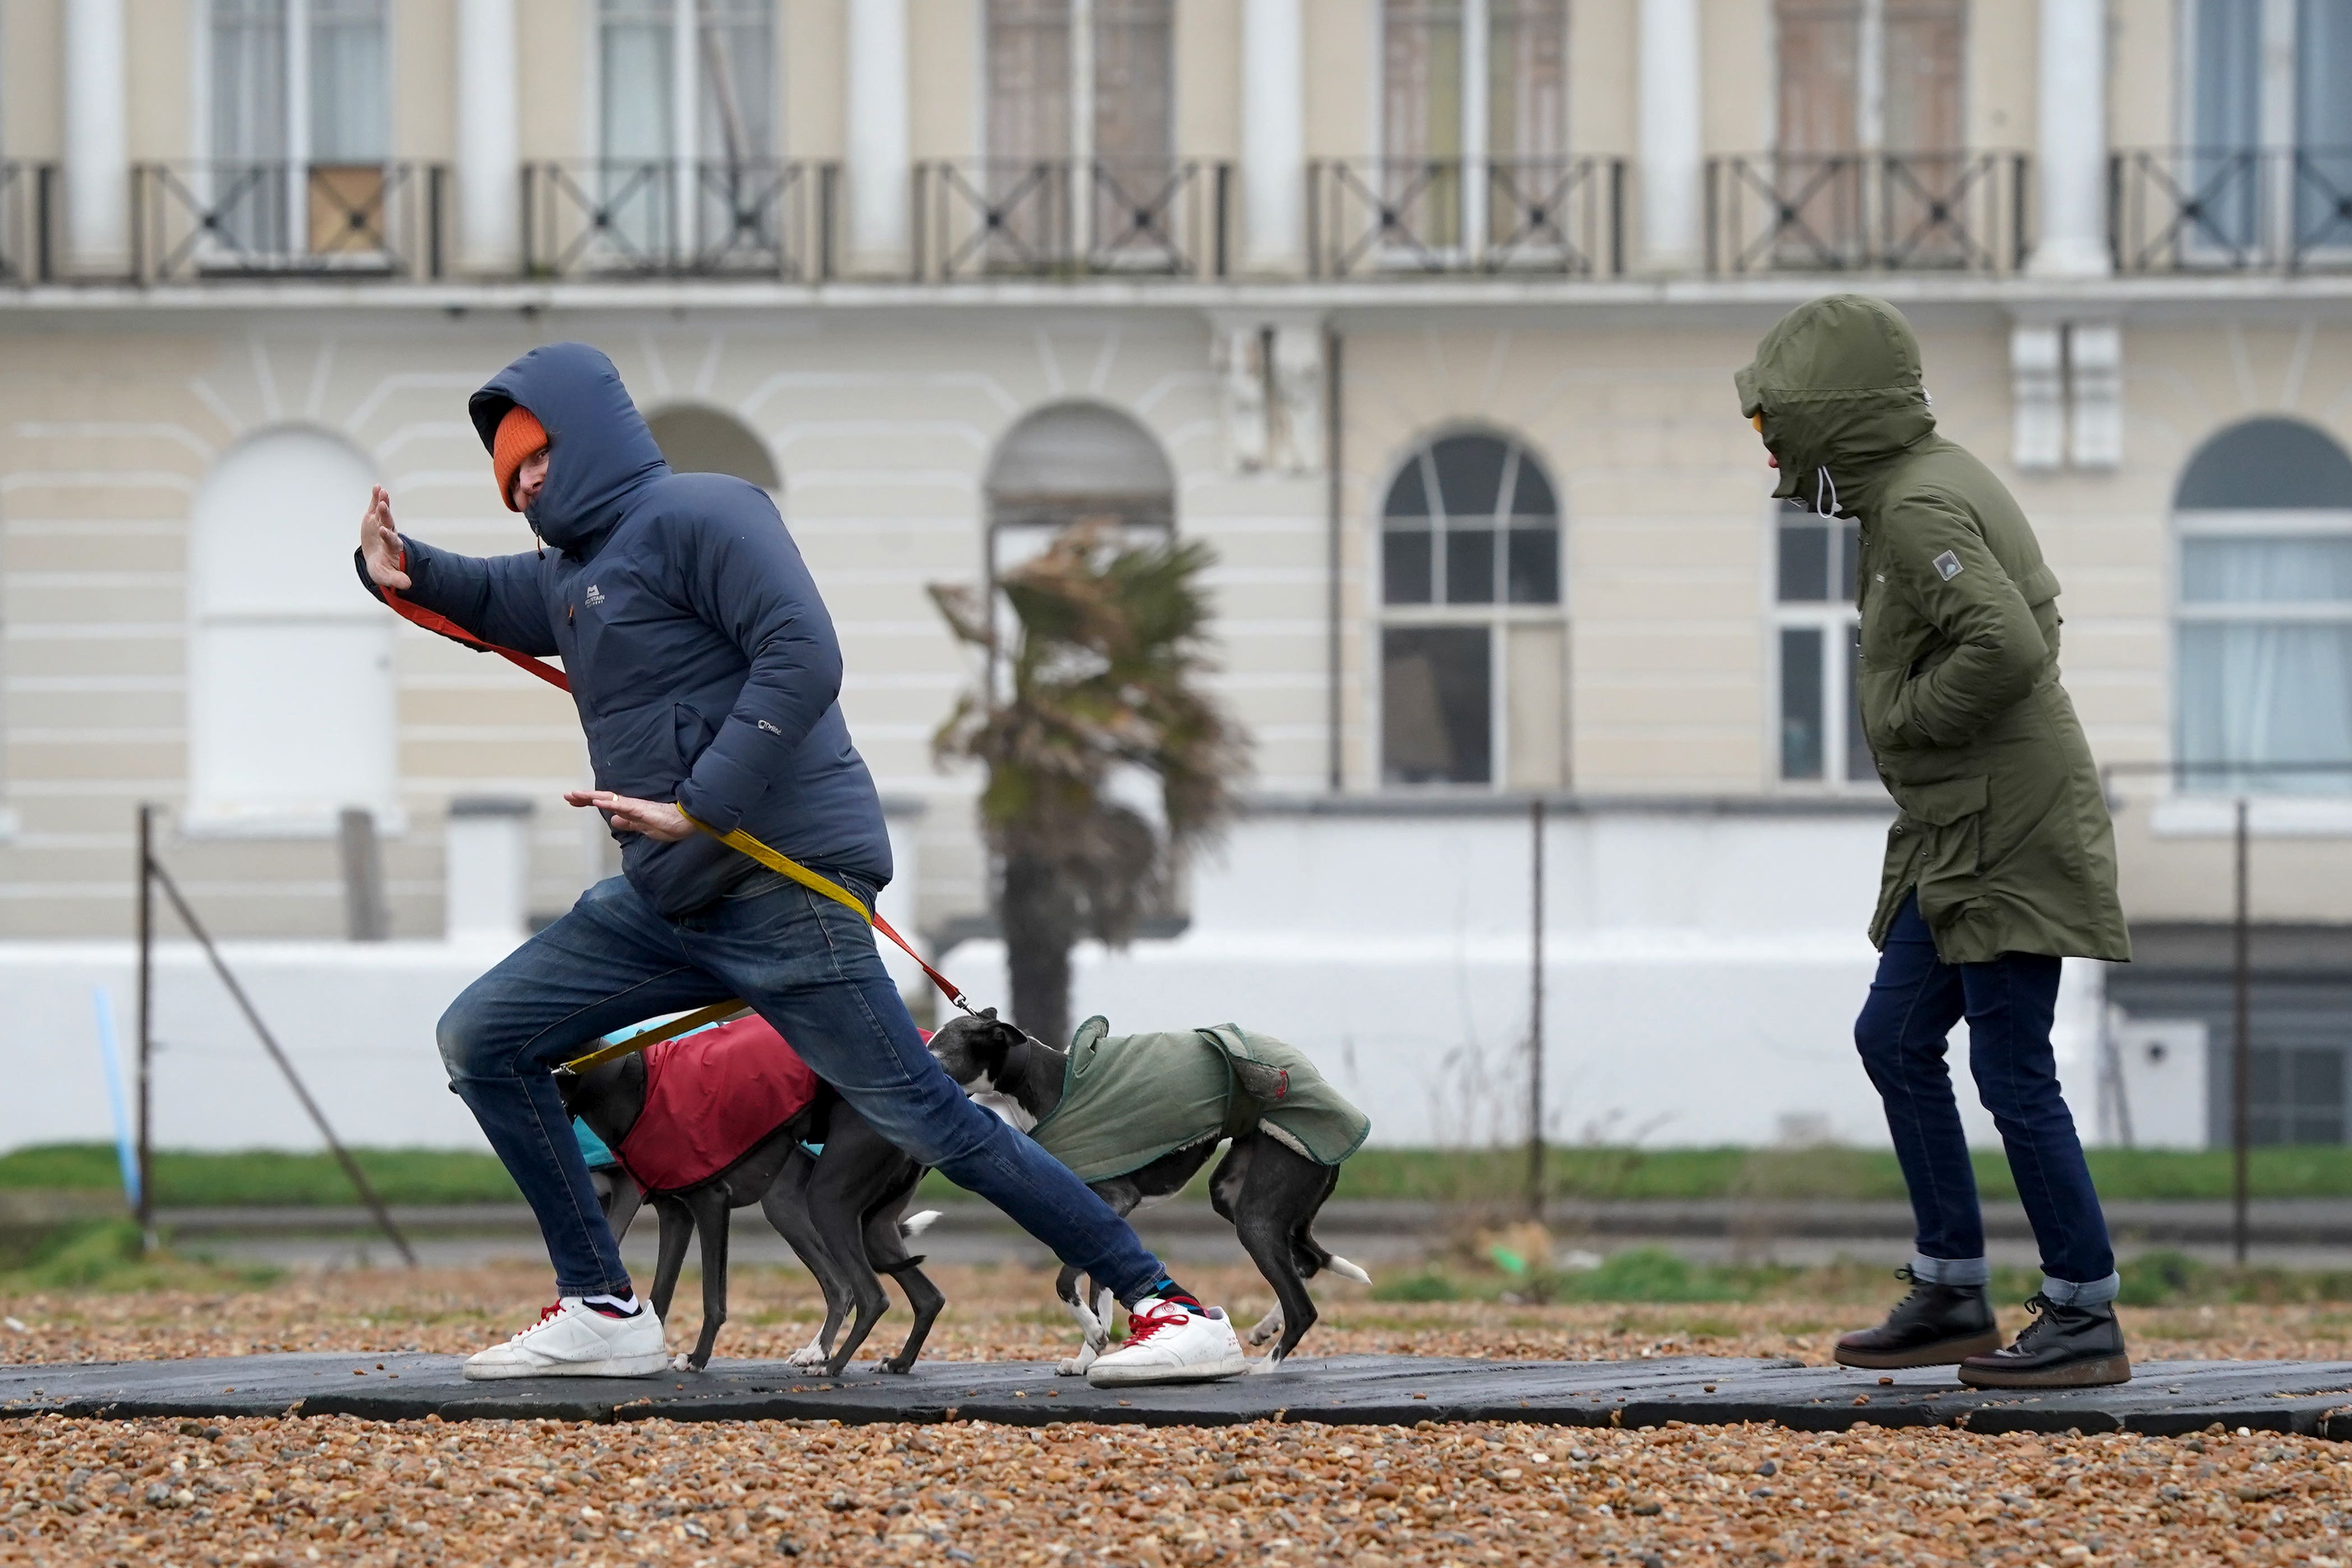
{"points": [[783, 865]]}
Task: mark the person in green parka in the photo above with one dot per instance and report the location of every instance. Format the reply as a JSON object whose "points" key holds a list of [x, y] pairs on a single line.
{"points": [[2001, 860]]}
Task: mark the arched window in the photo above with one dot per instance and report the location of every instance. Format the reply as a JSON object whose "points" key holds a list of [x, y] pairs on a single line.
{"points": [[2264, 642], [291, 710], [1473, 651], [698, 440]]}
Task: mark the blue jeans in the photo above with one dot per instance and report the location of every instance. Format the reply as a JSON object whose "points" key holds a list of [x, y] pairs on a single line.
{"points": [[808, 966], [1914, 1004]]}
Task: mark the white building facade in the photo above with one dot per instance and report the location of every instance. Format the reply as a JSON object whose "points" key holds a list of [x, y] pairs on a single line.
{"points": [[1421, 312]]}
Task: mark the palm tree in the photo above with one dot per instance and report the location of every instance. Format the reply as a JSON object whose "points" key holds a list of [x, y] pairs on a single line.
{"points": [[1103, 672]]}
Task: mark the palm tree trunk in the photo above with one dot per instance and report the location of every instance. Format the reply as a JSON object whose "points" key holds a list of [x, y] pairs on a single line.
{"points": [[1039, 916]]}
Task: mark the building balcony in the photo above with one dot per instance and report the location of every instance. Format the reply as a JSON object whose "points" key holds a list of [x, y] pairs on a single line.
{"points": [[755, 218], [273, 219], [1401, 217], [1133, 217], [2191, 210], [2179, 219], [1889, 212]]}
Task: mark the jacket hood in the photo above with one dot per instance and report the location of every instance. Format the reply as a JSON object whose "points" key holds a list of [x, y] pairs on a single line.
{"points": [[600, 454], [1837, 381]]}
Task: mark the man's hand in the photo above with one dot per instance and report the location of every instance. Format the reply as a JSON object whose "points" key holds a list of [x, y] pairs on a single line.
{"points": [[657, 820], [380, 542]]}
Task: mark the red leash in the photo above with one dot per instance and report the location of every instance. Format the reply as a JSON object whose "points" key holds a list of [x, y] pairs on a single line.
{"points": [[433, 622]]}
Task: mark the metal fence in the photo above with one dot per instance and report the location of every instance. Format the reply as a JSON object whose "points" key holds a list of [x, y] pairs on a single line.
{"points": [[1070, 217], [2188, 209], [1387, 216], [1951, 211], [640, 217], [278, 219]]}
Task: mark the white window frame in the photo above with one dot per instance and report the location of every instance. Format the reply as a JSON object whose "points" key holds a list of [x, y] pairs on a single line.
{"points": [[1498, 618], [687, 91], [2194, 808], [296, 156], [1839, 621], [1477, 47], [2278, 127]]}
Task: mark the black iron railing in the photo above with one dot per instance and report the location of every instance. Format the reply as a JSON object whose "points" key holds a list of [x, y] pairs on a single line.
{"points": [[1071, 218], [1957, 211], [2191, 209], [751, 219], [276, 219], [1452, 215]]}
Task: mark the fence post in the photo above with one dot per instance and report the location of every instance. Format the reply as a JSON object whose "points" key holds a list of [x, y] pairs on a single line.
{"points": [[1536, 1014], [146, 1022], [2241, 1063]]}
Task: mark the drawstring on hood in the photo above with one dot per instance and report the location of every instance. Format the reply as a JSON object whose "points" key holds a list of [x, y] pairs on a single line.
{"points": [[1836, 383]]}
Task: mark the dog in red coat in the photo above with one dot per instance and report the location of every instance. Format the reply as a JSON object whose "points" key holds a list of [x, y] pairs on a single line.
{"points": [[730, 1116]]}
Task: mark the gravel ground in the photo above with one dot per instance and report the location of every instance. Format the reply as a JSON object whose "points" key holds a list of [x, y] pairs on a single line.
{"points": [[334, 1490], [1009, 1314], [246, 1491]]}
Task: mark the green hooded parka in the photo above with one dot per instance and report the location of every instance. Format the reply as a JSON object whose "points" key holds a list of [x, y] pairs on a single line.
{"points": [[2003, 830]]}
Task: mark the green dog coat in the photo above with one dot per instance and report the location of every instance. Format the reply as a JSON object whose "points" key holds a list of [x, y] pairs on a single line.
{"points": [[1129, 1099]]}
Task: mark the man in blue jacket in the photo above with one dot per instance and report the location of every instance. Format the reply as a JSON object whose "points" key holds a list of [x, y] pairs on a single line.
{"points": [[706, 674]]}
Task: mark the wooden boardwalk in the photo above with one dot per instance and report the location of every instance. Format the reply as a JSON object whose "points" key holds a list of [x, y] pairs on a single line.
{"points": [[2165, 1397]]}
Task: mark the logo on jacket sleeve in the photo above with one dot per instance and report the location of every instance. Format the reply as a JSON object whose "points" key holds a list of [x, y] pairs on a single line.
{"points": [[1946, 565], [596, 594]]}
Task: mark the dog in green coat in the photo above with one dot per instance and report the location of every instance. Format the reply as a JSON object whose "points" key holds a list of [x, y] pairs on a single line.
{"points": [[1137, 1115]]}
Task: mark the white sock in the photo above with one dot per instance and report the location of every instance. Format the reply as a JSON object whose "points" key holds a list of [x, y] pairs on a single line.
{"points": [[624, 1306]]}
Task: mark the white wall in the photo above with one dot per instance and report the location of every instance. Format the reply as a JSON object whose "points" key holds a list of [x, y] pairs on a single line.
{"points": [[1702, 971], [356, 1019]]}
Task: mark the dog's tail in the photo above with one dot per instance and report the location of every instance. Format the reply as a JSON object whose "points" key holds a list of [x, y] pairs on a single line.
{"points": [[915, 1224], [1340, 1265]]}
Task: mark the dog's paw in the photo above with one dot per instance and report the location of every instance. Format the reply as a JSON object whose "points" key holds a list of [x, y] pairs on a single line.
{"points": [[1077, 1365], [1267, 1327], [1269, 1362], [810, 1354], [682, 1362]]}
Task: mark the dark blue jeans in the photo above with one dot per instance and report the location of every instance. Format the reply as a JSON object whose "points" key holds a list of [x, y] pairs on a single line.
{"points": [[808, 966], [1914, 1004]]}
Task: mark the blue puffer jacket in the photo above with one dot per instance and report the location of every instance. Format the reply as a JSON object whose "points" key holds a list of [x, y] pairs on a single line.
{"points": [[702, 660]]}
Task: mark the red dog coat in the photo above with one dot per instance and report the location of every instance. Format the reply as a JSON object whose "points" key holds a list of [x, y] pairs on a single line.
{"points": [[710, 1097]]}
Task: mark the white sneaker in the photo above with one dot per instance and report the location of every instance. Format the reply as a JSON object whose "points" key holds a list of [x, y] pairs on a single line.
{"points": [[1169, 1344], [574, 1340]]}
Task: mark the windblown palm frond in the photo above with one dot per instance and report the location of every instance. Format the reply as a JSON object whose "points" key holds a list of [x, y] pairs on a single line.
{"points": [[1105, 668]]}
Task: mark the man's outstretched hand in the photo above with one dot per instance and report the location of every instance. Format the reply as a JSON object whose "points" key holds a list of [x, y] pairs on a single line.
{"points": [[657, 820], [380, 542]]}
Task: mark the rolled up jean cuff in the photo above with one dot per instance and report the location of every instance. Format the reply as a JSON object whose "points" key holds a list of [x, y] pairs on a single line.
{"points": [[2067, 1293], [1951, 1271]]}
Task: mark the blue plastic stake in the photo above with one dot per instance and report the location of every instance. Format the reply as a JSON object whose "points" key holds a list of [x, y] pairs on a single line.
{"points": [[125, 1149]]}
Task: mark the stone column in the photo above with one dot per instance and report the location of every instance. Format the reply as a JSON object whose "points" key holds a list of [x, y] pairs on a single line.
{"points": [[1274, 137], [98, 140], [2070, 160], [489, 139], [879, 141], [1671, 166]]}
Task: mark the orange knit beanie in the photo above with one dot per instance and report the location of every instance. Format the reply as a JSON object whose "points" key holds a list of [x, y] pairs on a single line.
{"points": [[520, 435]]}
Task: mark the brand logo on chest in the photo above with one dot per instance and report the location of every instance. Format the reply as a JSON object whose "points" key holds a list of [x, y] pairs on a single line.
{"points": [[595, 596]]}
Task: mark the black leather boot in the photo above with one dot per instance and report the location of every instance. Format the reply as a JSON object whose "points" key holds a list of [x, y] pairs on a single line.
{"points": [[2062, 1347], [1934, 1325]]}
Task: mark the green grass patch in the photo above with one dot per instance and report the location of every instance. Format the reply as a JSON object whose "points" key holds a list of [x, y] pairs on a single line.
{"points": [[1500, 1175], [104, 1257], [186, 1178], [191, 1179]]}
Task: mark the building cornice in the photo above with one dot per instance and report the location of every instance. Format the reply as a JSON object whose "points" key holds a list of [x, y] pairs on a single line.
{"points": [[1347, 303]]}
